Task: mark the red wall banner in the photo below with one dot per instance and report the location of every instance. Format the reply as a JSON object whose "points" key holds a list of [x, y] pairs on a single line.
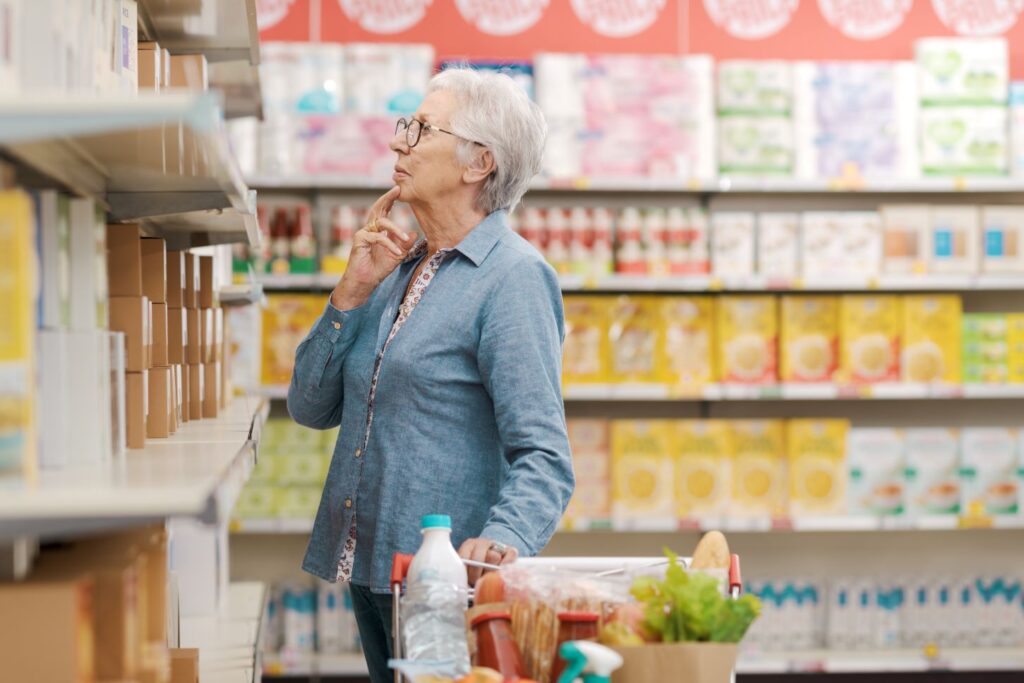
{"points": [[726, 29]]}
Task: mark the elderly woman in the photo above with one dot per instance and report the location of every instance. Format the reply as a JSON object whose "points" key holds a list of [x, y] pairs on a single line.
{"points": [[440, 358]]}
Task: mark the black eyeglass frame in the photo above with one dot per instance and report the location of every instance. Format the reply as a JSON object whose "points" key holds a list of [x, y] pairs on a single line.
{"points": [[403, 124]]}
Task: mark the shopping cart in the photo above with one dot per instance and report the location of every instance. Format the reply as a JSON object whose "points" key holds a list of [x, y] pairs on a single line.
{"points": [[597, 566]]}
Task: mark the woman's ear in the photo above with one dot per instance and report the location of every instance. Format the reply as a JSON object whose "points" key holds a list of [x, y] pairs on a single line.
{"points": [[480, 167]]}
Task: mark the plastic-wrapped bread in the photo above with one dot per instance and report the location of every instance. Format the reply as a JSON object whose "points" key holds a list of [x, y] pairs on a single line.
{"points": [[712, 552]]}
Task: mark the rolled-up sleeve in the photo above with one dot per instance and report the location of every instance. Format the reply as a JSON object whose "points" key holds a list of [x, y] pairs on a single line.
{"points": [[520, 360], [315, 393]]}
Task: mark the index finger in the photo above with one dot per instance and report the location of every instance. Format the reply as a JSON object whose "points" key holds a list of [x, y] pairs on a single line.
{"points": [[382, 207]]}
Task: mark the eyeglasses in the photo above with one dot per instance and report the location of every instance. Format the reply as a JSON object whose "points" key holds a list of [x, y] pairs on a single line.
{"points": [[414, 129]]}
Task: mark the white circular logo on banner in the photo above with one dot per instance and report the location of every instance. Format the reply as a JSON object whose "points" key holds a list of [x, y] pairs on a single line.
{"points": [[385, 16], [271, 12], [865, 19], [978, 17], [751, 19], [502, 17], [618, 18]]}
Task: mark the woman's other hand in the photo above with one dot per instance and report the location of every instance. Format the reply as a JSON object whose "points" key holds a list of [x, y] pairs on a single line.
{"points": [[487, 551], [377, 249]]}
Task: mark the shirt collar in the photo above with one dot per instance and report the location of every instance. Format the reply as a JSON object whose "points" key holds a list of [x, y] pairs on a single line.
{"points": [[477, 244], [481, 240]]}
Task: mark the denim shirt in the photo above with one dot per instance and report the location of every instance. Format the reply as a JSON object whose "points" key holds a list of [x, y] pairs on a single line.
{"points": [[468, 416]]}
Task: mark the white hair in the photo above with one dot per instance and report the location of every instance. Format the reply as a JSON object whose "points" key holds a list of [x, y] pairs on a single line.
{"points": [[496, 112]]}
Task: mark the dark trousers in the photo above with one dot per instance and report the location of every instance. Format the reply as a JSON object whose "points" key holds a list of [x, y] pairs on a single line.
{"points": [[373, 616]]}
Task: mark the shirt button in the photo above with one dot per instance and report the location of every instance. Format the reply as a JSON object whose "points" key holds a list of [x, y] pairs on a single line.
{"points": [[359, 451], [348, 502], [337, 326]]}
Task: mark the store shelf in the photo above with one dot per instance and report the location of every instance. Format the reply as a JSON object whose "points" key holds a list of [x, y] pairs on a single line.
{"points": [[903, 391], [882, 283], [312, 664], [723, 185], [271, 526], [830, 524], [242, 294], [198, 473], [701, 284], [229, 643], [879, 661], [162, 159], [239, 82], [223, 30]]}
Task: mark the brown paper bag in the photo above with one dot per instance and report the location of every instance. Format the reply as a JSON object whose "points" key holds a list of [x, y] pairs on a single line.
{"points": [[683, 662]]}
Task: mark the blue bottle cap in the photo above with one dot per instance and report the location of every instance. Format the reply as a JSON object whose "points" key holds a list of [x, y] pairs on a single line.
{"points": [[436, 522]]}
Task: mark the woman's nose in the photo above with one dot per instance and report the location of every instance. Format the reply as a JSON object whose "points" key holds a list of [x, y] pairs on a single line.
{"points": [[398, 143]]}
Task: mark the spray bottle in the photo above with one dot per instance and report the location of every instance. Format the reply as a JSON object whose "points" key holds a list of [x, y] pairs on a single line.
{"points": [[588, 661]]}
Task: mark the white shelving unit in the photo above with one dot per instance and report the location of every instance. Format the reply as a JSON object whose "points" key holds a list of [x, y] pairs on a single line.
{"points": [[160, 158], [692, 187], [230, 643], [223, 30], [196, 473], [274, 525]]}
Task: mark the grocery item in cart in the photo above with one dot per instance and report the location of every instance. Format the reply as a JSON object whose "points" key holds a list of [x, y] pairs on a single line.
{"points": [[435, 600], [572, 627], [495, 647]]}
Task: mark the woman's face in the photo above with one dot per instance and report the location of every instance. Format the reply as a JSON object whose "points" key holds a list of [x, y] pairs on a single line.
{"points": [[429, 171]]}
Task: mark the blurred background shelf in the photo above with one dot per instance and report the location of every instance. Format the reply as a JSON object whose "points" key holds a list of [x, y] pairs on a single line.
{"points": [[872, 661], [223, 30], [314, 664], [229, 644], [162, 159]]}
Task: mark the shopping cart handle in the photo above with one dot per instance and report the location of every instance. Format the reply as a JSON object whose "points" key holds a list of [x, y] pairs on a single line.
{"points": [[399, 568], [735, 579]]}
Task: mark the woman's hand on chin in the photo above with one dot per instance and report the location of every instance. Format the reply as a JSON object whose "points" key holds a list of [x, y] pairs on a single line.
{"points": [[377, 249]]}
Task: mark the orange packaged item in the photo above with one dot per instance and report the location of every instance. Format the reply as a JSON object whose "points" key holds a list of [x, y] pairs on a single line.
{"points": [[495, 647], [573, 626]]}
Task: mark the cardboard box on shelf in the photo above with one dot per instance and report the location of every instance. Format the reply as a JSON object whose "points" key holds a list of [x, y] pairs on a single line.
{"points": [[189, 71], [207, 295], [136, 408], [703, 464], [206, 326], [759, 485], [130, 314], [158, 419], [196, 388], [817, 466], [150, 60], [809, 338], [194, 326], [184, 665], [47, 631], [877, 463], [870, 329], [211, 389], [186, 393], [643, 469], [932, 338], [191, 293], [933, 462], [747, 337], [124, 259], [154, 269], [158, 314], [176, 279], [177, 335]]}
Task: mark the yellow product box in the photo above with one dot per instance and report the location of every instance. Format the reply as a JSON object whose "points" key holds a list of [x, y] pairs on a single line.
{"points": [[747, 338], [688, 333], [635, 340], [809, 338], [297, 502], [704, 451], [585, 355], [258, 500], [642, 469], [758, 468], [287, 320], [932, 331], [18, 312], [589, 440], [816, 451], [870, 328], [303, 468]]}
